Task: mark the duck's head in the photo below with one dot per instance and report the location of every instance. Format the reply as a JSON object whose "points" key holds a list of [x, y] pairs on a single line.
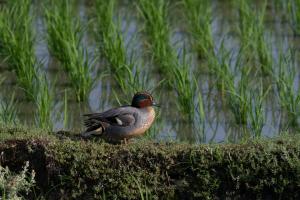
{"points": [[142, 100]]}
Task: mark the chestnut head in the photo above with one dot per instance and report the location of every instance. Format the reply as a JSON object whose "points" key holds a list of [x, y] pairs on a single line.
{"points": [[142, 100]]}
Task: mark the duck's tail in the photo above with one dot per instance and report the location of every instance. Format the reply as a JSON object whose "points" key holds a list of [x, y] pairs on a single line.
{"points": [[90, 133], [94, 128]]}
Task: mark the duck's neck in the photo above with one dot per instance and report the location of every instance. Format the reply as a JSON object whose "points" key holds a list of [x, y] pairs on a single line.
{"points": [[148, 109]]}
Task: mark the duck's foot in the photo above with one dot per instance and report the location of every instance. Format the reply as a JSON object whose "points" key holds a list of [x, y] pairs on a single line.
{"points": [[126, 141]]}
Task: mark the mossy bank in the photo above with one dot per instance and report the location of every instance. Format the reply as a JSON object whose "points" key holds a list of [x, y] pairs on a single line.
{"points": [[69, 167]]}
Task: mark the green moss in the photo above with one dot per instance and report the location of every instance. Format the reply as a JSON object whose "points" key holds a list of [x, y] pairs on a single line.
{"points": [[94, 169]]}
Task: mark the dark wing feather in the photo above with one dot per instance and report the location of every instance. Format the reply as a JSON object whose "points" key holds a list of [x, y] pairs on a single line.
{"points": [[124, 120], [116, 117]]}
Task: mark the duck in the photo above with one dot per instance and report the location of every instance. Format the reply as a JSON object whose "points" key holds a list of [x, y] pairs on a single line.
{"points": [[122, 123]]}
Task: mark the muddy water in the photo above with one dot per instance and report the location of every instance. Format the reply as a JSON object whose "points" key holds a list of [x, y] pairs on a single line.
{"points": [[219, 125]]}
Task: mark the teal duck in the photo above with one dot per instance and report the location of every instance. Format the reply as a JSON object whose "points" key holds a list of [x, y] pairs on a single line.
{"points": [[122, 123]]}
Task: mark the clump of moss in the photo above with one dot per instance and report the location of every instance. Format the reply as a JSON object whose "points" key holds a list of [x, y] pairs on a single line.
{"points": [[80, 169]]}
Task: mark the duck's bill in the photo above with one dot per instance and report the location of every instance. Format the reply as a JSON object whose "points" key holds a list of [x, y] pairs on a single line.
{"points": [[155, 104]]}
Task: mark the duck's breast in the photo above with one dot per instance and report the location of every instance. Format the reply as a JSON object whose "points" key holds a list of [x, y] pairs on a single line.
{"points": [[146, 118]]}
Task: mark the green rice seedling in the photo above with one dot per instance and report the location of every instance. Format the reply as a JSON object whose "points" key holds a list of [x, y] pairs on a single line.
{"points": [[257, 117], [111, 42], [64, 37], [66, 118], [155, 15], [185, 89], [264, 53], [185, 85], [115, 52], [219, 66], [262, 46], [18, 48], [104, 11], [294, 12], [246, 105], [198, 16], [247, 21], [237, 96], [246, 109], [9, 110], [238, 99], [200, 121], [289, 97], [257, 112], [125, 69], [44, 104], [2, 79], [138, 77], [252, 35], [17, 44]]}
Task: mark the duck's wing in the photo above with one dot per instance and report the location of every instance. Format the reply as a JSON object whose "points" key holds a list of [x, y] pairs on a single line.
{"points": [[122, 116]]}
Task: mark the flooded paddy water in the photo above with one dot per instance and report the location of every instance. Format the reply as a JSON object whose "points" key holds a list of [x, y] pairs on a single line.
{"points": [[239, 102]]}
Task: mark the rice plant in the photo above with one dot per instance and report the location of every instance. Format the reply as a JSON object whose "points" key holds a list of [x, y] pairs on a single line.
{"points": [[198, 14], [115, 53], [246, 104], [252, 35], [111, 43], [44, 103], [239, 100], [237, 97], [104, 14], [178, 74], [262, 44], [9, 110], [264, 53], [64, 37], [185, 85], [125, 69], [294, 15], [247, 21], [219, 66], [66, 118], [257, 112], [17, 44], [289, 96], [2, 79], [155, 15]]}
